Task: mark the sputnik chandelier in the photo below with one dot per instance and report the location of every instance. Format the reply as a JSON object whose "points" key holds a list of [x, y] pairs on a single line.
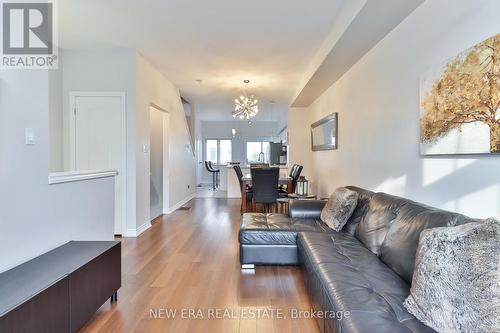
{"points": [[246, 107]]}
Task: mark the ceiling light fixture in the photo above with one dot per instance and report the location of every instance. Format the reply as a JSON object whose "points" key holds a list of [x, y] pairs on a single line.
{"points": [[246, 107]]}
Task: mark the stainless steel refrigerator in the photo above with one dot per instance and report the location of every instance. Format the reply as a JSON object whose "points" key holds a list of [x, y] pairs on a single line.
{"points": [[278, 154]]}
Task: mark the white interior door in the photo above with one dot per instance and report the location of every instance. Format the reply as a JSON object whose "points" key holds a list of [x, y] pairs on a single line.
{"points": [[156, 162], [98, 141]]}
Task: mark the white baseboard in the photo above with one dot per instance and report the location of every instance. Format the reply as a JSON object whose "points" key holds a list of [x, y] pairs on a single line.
{"points": [[179, 204], [137, 232]]}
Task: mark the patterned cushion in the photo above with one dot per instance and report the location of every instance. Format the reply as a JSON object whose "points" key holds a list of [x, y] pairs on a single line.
{"points": [[456, 283], [339, 208]]}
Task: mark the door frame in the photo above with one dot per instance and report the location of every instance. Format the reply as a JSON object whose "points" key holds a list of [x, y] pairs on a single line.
{"points": [[73, 95], [166, 159]]}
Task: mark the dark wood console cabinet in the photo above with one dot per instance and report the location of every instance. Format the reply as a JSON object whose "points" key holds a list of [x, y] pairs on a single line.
{"points": [[60, 290]]}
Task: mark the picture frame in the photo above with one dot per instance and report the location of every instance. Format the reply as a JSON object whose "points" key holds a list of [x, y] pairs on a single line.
{"points": [[324, 133]]}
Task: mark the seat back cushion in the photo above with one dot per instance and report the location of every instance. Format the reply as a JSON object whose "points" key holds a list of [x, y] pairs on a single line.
{"points": [[364, 197], [379, 216], [400, 244]]}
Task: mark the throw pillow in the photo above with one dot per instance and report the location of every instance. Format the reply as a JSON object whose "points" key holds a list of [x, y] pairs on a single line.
{"points": [[456, 283], [339, 208]]}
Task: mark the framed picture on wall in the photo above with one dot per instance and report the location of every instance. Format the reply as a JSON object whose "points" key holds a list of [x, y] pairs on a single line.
{"points": [[324, 133], [460, 103]]}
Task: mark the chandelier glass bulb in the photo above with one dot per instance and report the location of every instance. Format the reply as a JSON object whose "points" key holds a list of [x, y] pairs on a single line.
{"points": [[246, 107]]}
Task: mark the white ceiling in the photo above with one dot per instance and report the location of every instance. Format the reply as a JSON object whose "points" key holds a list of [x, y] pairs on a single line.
{"points": [[291, 50], [368, 23], [221, 42]]}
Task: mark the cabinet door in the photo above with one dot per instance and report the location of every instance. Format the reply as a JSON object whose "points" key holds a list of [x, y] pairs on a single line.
{"points": [[93, 284], [47, 312]]}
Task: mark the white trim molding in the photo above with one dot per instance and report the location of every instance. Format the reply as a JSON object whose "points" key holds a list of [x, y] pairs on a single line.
{"points": [[75, 176], [178, 205], [138, 231]]}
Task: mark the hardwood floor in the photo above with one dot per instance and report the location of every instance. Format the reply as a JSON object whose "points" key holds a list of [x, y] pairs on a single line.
{"points": [[190, 260]]}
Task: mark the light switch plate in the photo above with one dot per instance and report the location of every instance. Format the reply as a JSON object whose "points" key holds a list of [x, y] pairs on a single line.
{"points": [[29, 136]]}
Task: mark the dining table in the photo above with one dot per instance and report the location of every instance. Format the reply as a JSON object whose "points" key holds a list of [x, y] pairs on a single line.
{"points": [[247, 181]]}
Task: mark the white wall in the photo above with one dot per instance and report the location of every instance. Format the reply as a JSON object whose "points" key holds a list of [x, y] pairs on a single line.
{"points": [[56, 119], [378, 105], [156, 147], [36, 217], [299, 137], [103, 70], [153, 87], [123, 70], [190, 112], [98, 70]]}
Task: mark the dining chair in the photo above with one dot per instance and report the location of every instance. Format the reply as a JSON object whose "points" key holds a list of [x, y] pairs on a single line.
{"points": [[283, 192], [283, 199], [295, 175], [265, 187], [295, 172], [248, 189]]}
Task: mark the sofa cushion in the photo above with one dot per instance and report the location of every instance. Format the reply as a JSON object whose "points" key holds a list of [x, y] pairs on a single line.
{"points": [[456, 286], [339, 208], [353, 279], [275, 229], [364, 197], [400, 244], [378, 218]]}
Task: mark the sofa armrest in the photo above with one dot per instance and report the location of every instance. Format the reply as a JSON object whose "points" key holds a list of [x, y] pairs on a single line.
{"points": [[306, 209]]}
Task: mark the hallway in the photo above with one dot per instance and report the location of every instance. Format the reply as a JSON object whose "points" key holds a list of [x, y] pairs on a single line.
{"points": [[190, 260]]}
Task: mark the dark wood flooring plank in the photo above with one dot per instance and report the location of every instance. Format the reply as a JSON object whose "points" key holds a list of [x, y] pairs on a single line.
{"points": [[190, 259]]}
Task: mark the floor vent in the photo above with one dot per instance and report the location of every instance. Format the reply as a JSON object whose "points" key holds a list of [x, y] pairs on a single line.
{"points": [[185, 208]]}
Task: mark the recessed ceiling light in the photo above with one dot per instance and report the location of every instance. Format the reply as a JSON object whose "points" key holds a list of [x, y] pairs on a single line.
{"points": [[246, 81]]}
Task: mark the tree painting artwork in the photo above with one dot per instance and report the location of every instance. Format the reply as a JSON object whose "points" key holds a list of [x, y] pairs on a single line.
{"points": [[460, 103]]}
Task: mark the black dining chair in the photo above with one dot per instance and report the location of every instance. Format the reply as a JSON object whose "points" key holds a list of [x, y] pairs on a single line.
{"points": [[265, 187], [295, 175], [248, 189], [283, 200], [283, 193], [295, 172]]}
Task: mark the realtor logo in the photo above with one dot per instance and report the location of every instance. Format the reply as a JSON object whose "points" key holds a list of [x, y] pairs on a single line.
{"points": [[28, 35]]}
